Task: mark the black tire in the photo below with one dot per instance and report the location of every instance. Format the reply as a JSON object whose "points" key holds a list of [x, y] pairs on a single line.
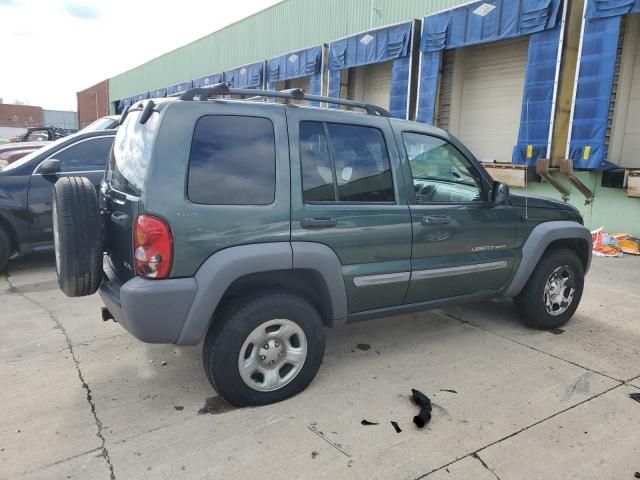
{"points": [[77, 236], [531, 302], [232, 327], [5, 249]]}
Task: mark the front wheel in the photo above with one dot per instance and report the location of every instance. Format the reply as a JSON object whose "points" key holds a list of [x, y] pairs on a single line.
{"points": [[265, 349], [553, 292]]}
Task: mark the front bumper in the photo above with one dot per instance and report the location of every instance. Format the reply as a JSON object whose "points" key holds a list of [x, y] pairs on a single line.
{"points": [[153, 311]]}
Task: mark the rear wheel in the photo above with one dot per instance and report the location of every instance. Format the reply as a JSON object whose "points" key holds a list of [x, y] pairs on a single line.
{"points": [[5, 249], [553, 292], [77, 235], [264, 350]]}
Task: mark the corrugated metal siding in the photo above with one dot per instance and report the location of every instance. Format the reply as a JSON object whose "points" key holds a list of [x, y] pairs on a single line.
{"points": [[287, 26]]}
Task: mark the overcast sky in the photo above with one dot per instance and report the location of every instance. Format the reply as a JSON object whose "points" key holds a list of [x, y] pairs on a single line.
{"points": [[50, 49]]}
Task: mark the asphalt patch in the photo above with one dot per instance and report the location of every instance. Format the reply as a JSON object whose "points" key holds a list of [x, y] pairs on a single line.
{"points": [[363, 346]]}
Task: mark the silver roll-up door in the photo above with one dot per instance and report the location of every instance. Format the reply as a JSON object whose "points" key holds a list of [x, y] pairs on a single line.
{"points": [[491, 89], [631, 138], [371, 84]]}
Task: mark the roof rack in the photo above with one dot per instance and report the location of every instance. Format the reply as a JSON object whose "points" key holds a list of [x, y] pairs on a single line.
{"points": [[204, 93]]}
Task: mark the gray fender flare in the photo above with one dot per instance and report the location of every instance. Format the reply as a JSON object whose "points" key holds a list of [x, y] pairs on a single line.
{"points": [[538, 241], [222, 268], [319, 257]]}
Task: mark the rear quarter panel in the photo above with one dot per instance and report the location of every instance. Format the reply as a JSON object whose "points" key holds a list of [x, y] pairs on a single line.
{"points": [[201, 230]]}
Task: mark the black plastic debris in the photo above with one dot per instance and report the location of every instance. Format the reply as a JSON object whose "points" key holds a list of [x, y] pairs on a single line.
{"points": [[448, 390], [396, 426], [637, 475], [367, 423], [424, 403], [636, 397]]}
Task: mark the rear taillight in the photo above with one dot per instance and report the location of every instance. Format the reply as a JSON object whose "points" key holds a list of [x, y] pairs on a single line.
{"points": [[152, 246]]}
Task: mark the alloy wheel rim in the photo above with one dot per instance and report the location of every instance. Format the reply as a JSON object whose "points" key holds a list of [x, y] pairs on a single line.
{"points": [[559, 291], [272, 355]]}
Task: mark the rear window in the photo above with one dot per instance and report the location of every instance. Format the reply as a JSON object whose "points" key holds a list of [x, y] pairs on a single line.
{"points": [[232, 161], [129, 159]]}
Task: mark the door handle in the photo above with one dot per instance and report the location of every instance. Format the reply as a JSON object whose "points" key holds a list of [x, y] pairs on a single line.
{"points": [[119, 218], [435, 220], [309, 222]]}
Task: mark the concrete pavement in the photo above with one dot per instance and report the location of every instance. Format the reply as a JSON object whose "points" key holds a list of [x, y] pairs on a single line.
{"points": [[83, 399]]}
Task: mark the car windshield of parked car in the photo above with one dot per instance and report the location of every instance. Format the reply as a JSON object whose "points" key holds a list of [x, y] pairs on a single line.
{"points": [[27, 158]]}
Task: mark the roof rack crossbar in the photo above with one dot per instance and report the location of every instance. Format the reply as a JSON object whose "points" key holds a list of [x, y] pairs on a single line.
{"points": [[205, 93]]}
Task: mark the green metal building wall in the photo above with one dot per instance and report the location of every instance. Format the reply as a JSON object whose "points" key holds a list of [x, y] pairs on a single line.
{"points": [[286, 26]]}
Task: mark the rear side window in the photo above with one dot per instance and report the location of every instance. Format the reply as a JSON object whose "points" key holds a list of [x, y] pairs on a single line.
{"points": [[344, 163], [232, 161], [131, 153], [85, 156]]}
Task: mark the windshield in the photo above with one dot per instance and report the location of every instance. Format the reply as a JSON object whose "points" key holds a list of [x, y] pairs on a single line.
{"points": [[131, 152], [27, 158], [103, 123]]}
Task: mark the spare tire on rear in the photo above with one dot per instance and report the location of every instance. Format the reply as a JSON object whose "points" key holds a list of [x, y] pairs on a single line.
{"points": [[77, 234]]}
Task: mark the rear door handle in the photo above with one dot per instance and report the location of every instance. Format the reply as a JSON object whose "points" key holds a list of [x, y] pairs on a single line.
{"points": [[119, 218], [435, 220], [309, 222]]}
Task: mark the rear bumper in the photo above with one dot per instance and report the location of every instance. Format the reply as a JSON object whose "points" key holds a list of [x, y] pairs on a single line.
{"points": [[153, 311]]}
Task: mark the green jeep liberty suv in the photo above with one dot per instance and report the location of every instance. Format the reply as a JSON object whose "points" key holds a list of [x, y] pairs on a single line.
{"points": [[255, 225]]}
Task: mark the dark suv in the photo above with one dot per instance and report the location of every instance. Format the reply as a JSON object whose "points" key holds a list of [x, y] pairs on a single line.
{"points": [[254, 225]]}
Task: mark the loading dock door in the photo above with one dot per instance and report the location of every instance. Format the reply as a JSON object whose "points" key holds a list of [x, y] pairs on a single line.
{"points": [[371, 84], [487, 87], [631, 138], [301, 82]]}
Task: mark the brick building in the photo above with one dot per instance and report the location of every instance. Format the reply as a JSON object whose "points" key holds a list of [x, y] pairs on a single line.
{"points": [[93, 103], [20, 116]]}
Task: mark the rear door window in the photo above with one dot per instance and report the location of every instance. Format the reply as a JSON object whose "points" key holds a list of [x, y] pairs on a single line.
{"points": [[344, 163], [232, 161], [89, 155]]}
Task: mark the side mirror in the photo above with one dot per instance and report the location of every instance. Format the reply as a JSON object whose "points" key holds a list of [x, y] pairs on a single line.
{"points": [[49, 167], [499, 193]]}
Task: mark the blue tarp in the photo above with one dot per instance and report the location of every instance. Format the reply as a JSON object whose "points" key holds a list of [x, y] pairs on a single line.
{"points": [[587, 148], [207, 80], [611, 8], [428, 86], [370, 47], [482, 22], [375, 46], [302, 63], [490, 21], [179, 87], [537, 100], [159, 93], [247, 76], [125, 102]]}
